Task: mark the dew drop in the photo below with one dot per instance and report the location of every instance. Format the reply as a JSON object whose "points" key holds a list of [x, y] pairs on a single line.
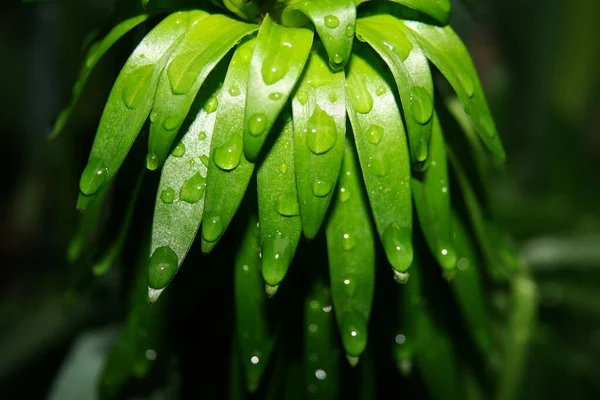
{"points": [[234, 91], [283, 168], [380, 90], [204, 160], [136, 86], [336, 61], [228, 155], [211, 105], [321, 188], [151, 161], [153, 116], [321, 133], [333, 97], [193, 189], [349, 30], [275, 96], [374, 134], [302, 97], [167, 195], [354, 332], [349, 285], [202, 135], [344, 195], [171, 123], [257, 124], [331, 21], [179, 150], [162, 267], [421, 105], [398, 247], [348, 241], [287, 205], [360, 98], [275, 66], [212, 228], [93, 176]]}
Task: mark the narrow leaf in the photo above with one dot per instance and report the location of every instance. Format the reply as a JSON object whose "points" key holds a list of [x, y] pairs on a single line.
{"points": [[335, 22], [411, 72], [278, 60], [180, 201], [207, 42], [383, 154], [278, 209], [431, 192], [449, 54], [440, 10], [87, 229], [129, 104], [94, 54], [351, 253], [255, 334], [228, 170], [319, 129]]}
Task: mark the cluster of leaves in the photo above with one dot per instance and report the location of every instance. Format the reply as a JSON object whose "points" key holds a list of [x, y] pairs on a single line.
{"points": [[336, 110]]}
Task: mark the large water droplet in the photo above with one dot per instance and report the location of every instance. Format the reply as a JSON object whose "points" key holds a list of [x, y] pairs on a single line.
{"points": [[257, 124], [354, 332], [167, 195], [348, 241], [287, 205], [204, 159], [183, 71], [162, 267], [331, 21], [234, 91], [374, 134], [336, 62], [275, 96], [321, 133], [378, 163], [193, 189], [446, 256], [153, 116], [211, 105], [349, 284], [275, 66], [397, 244], [321, 188], [421, 105], [360, 98], [136, 86], [179, 150], [228, 155], [302, 96], [151, 161], [212, 228], [349, 30], [93, 176]]}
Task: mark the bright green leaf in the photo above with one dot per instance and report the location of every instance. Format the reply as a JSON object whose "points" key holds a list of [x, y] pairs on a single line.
{"points": [[207, 42], [440, 10], [319, 113], [278, 60], [383, 154]]}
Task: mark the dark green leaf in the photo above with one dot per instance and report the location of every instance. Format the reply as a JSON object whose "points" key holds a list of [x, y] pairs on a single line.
{"points": [[440, 10]]}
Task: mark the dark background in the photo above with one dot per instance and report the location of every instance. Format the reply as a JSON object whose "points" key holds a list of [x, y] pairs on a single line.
{"points": [[538, 61]]}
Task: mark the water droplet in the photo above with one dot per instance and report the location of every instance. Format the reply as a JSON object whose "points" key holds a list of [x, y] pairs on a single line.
{"points": [[271, 290], [360, 98], [257, 124], [93, 176], [320, 188], [380, 90], [466, 82], [287, 205], [374, 134], [167, 195], [400, 339], [275, 96], [348, 241], [228, 155], [136, 86], [313, 328], [354, 333], [320, 374], [302, 97], [162, 267], [151, 161], [184, 71], [179, 150], [277, 62], [234, 91], [401, 277], [446, 256], [421, 105], [212, 228], [211, 105], [344, 195], [193, 188], [398, 247], [463, 264], [204, 160], [153, 116], [422, 151], [349, 285], [171, 123], [321, 133], [331, 21], [333, 97], [349, 30], [202, 135], [377, 163], [283, 168], [254, 360], [336, 61]]}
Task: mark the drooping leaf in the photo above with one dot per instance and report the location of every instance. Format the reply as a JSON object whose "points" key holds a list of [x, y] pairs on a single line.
{"points": [[179, 206], [278, 209], [449, 54], [431, 192], [319, 113], [335, 22], [228, 169], [440, 10], [87, 229], [383, 154], [321, 366], [277, 62], [256, 335], [411, 72], [207, 42], [245, 9], [351, 254], [94, 54], [129, 104]]}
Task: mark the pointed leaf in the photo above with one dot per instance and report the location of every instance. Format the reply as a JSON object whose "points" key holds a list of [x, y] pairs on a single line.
{"points": [[87, 229], [445, 49], [335, 22], [440, 10], [94, 54], [319, 129], [411, 71], [278, 208], [129, 104], [228, 170], [255, 334], [278, 60], [351, 254], [383, 154], [431, 192], [207, 42], [180, 200]]}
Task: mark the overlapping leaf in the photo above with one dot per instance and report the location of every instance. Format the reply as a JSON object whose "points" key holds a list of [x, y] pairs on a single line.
{"points": [[440, 10], [383, 154], [278, 60], [319, 129]]}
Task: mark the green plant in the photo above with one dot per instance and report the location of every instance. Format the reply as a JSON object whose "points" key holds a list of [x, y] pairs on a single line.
{"points": [[271, 88]]}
